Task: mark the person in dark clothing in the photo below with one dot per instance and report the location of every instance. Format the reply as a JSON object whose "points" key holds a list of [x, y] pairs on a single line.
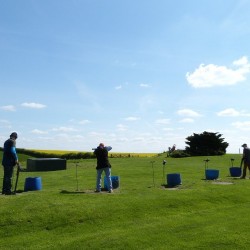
{"points": [[103, 164], [246, 160], [9, 161]]}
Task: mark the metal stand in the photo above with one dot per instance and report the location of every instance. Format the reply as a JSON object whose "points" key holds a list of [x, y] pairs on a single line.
{"points": [[163, 171], [206, 165], [153, 172], [77, 177]]}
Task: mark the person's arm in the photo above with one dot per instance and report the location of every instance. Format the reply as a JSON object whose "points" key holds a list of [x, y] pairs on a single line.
{"points": [[241, 163], [108, 148], [13, 152], [244, 154], [243, 158], [95, 150]]}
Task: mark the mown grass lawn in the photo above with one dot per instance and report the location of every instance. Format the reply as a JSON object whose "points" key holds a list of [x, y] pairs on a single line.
{"points": [[141, 214]]}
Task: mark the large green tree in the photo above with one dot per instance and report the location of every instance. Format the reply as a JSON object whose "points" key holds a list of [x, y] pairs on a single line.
{"points": [[207, 143]]}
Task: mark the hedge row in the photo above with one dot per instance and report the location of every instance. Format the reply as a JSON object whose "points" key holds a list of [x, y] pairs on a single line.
{"points": [[68, 156]]}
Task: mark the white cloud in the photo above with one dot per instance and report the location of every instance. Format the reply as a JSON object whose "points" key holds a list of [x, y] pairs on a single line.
{"points": [[118, 87], [64, 129], [232, 112], [188, 112], [5, 124], [242, 61], [33, 105], [132, 118], [167, 129], [187, 120], [40, 132], [143, 85], [8, 108], [121, 127], [83, 122], [213, 75], [242, 125], [228, 112], [162, 121], [138, 139], [97, 134]]}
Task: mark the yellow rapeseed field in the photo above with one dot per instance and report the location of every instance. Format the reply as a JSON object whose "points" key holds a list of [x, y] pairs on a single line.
{"points": [[61, 152]]}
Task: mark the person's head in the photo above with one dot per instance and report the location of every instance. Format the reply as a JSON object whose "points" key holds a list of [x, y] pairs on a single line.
{"points": [[13, 135], [101, 145], [244, 145]]}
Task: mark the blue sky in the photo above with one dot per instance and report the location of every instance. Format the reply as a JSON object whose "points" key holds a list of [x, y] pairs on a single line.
{"points": [[138, 75]]}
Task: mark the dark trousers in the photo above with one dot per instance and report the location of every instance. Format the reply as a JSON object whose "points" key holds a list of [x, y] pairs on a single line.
{"points": [[8, 172], [246, 165]]}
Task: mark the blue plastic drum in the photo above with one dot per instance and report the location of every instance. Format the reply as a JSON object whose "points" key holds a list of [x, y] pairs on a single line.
{"points": [[173, 179], [33, 184], [235, 171], [115, 182], [212, 174]]}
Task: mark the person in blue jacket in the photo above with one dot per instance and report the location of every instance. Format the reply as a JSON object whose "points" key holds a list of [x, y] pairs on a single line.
{"points": [[10, 159]]}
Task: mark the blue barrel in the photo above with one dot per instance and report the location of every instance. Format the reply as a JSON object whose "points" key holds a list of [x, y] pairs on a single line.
{"points": [[212, 174], [235, 171], [115, 182], [173, 180], [33, 184]]}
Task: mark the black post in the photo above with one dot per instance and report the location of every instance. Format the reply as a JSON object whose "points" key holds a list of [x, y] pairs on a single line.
{"points": [[17, 177]]}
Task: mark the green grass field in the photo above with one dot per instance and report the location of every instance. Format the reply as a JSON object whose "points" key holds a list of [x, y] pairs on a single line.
{"points": [[140, 214]]}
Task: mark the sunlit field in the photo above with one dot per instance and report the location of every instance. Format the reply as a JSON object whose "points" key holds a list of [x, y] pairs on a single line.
{"points": [[142, 213]]}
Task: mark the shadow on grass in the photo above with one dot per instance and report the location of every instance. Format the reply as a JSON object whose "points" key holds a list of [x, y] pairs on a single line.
{"points": [[14, 193], [83, 192], [19, 191], [234, 178], [219, 179], [72, 192], [170, 187]]}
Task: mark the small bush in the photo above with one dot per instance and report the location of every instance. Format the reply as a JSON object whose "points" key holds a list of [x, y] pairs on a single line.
{"points": [[179, 154]]}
